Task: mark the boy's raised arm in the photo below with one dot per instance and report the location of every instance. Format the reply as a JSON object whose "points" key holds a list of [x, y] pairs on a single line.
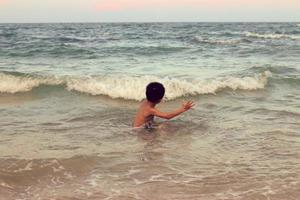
{"points": [[185, 106]]}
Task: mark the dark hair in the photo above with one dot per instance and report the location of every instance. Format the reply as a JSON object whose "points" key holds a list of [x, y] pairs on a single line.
{"points": [[155, 91]]}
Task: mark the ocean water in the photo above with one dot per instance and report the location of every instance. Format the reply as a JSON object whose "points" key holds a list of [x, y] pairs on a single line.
{"points": [[69, 92]]}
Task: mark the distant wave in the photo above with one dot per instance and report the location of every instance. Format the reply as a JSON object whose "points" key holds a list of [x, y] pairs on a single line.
{"points": [[131, 87], [270, 36], [82, 52], [216, 41], [62, 39]]}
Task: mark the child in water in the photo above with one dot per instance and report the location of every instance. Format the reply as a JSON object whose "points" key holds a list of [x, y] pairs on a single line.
{"points": [[155, 93]]}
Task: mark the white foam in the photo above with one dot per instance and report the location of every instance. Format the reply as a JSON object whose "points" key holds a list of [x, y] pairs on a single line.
{"points": [[270, 36], [13, 84], [133, 87], [28, 167], [216, 41], [3, 184]]}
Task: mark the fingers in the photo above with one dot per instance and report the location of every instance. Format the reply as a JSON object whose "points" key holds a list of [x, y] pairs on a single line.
{"points": [[188, 104]]}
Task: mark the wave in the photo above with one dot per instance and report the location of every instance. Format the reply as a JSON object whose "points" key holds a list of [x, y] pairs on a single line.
{"points": [[132, 87], [13, 83], [64, 50], [3, 34], [216, 41], [71, 39], [275, 69], [150, 50], [56, 51], [270, 36]]}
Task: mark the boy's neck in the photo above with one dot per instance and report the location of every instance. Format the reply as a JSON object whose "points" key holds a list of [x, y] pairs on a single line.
{"points": [[151, 104]]}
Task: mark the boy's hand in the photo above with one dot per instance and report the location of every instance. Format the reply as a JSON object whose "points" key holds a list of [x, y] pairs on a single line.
{"points": [[187, 105]]}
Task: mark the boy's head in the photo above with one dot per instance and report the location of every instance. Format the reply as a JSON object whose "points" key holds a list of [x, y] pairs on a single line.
{"points": [[155, 92]]}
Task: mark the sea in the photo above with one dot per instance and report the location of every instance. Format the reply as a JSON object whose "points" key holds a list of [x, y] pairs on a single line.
{"points": [[69, 93]]}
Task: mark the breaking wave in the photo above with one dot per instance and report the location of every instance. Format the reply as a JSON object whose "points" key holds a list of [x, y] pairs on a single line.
{"points": [[132, 87], [270, 36], [13, 83], [216, 41]]}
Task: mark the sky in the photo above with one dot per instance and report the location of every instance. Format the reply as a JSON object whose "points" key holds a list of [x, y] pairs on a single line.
{"points": [[28, 11]]}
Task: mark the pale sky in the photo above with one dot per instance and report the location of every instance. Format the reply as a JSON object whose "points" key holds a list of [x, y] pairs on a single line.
{"points": [[148, 10]]}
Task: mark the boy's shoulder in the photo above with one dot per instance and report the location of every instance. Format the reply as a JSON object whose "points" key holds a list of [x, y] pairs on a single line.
{"points": [[146, 107]]}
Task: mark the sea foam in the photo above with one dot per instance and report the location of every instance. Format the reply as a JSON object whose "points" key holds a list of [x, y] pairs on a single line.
{"points": [[216, 41], [133, 87], [13, 84], [271, 36]]}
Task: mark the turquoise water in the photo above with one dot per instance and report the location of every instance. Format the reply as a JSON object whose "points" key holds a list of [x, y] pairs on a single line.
{"points": [[69, 92]]}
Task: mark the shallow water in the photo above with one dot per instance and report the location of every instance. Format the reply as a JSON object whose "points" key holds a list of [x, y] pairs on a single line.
{"points": [[66, 116]]}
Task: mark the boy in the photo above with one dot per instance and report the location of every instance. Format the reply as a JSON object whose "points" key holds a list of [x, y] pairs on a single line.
{"points": [[154, 93]]}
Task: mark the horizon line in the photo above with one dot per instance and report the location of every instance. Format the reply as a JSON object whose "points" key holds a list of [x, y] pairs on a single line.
{"points": [[91, 22]]}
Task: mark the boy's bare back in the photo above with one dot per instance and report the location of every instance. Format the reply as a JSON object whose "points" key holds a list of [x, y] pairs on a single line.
{"points": [[143, 115]]}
